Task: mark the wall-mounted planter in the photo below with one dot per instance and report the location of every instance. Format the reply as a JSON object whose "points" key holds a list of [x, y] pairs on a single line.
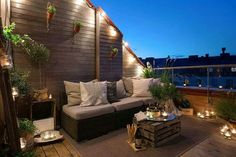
{"points": [[77, 27], [51, 11], [113, 53]]}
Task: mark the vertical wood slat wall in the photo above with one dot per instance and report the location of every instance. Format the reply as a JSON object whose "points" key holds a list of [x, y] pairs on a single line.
{"points": [[72, 58]]}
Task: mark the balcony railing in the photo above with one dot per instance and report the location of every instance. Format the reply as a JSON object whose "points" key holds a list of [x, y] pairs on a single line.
{"points": [[210, 77]]}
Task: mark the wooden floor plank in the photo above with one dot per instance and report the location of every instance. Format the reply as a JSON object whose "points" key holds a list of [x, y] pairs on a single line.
{"points": [[40, 152], [50, 151], [62, 150], [71, 149]]}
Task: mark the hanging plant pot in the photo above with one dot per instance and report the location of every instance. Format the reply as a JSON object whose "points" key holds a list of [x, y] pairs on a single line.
{"points": [[51, 11], [113, 53], [77, 26]]}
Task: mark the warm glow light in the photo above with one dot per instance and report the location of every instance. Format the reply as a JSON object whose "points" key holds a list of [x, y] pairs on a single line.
{"points": [[131, 59], [233, 131], [15, 92], [164, 114], [79, 2], [50, 96], [125, 43], [220, 87], [228, 134], [103, 14], [199, 85], [184, 84], [113, 32], [6, 61], [22, 143]]}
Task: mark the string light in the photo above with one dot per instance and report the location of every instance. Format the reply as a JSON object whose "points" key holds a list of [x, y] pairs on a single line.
{"points": [[113, 31]]}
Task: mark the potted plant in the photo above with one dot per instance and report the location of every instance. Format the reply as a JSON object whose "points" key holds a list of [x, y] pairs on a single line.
{"points": [[51, 11], [113, 53], [164, 93], [77, 26], [26, 131], [226, 109], [148, 72]]}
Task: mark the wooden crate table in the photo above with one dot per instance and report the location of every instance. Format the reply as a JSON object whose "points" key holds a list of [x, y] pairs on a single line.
{"points": [[157, 133]]}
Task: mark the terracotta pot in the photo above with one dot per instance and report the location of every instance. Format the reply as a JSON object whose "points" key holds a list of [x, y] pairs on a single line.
{"points": [[50, 16], [76, 29]]}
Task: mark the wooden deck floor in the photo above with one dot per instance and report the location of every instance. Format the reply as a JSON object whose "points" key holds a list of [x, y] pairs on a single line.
{"points": [[57, 149]]}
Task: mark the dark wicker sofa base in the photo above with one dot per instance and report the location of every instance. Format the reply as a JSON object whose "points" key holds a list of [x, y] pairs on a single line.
{"points": [[88, 128]]}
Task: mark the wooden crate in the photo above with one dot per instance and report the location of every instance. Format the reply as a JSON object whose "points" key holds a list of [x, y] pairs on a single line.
{"points": [[158, 133], [187, 111]]}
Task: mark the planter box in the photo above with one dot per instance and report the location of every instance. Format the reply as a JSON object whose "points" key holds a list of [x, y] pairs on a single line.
{"points": [[187, 111]]}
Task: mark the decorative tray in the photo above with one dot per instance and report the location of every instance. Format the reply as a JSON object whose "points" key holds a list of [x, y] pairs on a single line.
{"points": [[170, 117], [48, 136]]}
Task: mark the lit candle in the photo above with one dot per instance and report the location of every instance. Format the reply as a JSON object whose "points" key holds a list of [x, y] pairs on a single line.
{"points": [[224, 129], [233, 131], [228, 134], [199, 114], [212, 113], [164, 114], [199, 85], [50, 96], [202, 116], [207, 113], [22, 143], [14, 92]]}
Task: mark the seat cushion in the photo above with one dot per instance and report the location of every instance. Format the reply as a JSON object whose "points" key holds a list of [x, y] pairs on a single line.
{"points": [[127, 103], [82, 112], [146, 100]]}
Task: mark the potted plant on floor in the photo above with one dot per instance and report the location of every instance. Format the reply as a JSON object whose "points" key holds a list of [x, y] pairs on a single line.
{"points": [[77, 26], [226, 109], [164, 93], [26, 131]]}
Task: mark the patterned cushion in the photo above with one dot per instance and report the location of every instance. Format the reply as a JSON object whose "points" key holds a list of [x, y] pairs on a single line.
{"points": [[111, 92]]}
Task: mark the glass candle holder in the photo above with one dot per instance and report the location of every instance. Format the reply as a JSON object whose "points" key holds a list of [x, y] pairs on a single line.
{"points": [[6, 62]]}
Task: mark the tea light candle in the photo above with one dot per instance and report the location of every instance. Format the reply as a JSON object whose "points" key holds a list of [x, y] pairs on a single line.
{"points": [[233, 131], [212, 113], [164, 114], [228, 134], [22, 143], [207, 113], [50, 96], [224, 129], [202, 116], [199, 114]]}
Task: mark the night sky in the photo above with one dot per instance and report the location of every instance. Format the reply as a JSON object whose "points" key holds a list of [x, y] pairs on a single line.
{"points": [[158, 28]]}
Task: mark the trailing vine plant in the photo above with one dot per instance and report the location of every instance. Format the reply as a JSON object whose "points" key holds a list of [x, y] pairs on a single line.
{"points": [[37, 52]]}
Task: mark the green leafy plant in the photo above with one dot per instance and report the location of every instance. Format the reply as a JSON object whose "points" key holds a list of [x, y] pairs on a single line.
{"points": [[148, 72], [51, 9], [26, 154], [38, 53], [26, 126], [114, 52], [164, 91], [19, 79], [226, 108]]}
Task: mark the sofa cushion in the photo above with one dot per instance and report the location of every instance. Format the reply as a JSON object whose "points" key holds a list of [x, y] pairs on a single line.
{"points": [[146, 100], [127, 103], [111, 92], [79, 112], [73, 93], [141, 87], [93, 93], [120, 89], [128, 85]]}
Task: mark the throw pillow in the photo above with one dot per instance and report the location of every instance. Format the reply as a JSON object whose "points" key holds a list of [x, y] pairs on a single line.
{"points": [[111, 92], [120, 89], [128, 86], [141, 87], [93, 93], [73, 93]]}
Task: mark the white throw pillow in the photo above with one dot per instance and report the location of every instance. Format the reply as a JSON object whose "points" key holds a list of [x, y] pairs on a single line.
{"points": [[73, 93], [140, 87], [93, 93], [120, 89]]}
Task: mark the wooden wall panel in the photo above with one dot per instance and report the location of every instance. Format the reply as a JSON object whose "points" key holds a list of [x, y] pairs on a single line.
{"points": [[109, 69], [72, 58], [131, 66]]}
